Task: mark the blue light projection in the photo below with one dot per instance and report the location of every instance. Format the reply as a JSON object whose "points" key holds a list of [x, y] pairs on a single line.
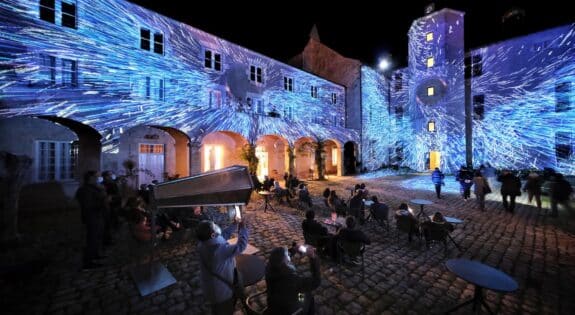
{"points": [[520, 102], [98, 75]]}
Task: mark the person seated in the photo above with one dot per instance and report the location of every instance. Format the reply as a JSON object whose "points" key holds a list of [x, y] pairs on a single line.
{"points": [[336, 204], [268, 183], [315, 230], [257, 184], [439, 219], [356, 206], [285, 286], [137, 209], [281, 192], [304, 196], [406, 221], [364, 190], [198, 215], [351, 234]]}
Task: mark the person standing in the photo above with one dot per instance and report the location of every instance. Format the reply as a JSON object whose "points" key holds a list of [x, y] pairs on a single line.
{"points": [[93, 204], [437, 178], [533, 188], [510, 187], [217, 264], [287, 291], [561, 191], [481, 188]]}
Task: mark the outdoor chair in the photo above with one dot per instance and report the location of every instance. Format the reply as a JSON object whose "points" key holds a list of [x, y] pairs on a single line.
{"points": [[255, 304], [435, 233], [380, 214], [407, 224], [352, 250]]}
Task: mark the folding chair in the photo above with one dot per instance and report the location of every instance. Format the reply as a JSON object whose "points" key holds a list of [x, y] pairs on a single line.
{"points": [[352, 250]]}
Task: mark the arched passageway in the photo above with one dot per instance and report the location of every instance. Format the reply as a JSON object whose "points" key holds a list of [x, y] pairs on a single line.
{"points": [[221, 149], [350, 158], [272, 153]]}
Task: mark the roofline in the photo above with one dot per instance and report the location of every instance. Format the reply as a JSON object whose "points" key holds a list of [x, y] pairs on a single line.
{"points": [[444, 10]]}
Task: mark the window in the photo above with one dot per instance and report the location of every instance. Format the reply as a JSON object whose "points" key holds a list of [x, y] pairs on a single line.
{"points": [[215, 99], [431, 126], [314, 91], [55, 160], [430, 91], [562, 100], [335, 120], [212, 60], [399, 112], [476, 66], [69, 73], [159, 43], [48, 10], [288, 84], [256, 74], [334, 98], [69, 14], [398, 81], [145, 39], [148, 91], [478, 107], [161, 90], [430, 62], [152, 148], [428, 37], [48, 68], [288, 112], [260, 106], [563, 146]]}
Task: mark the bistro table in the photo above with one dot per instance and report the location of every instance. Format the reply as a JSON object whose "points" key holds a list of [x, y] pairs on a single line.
{"points": [[421, 203], [252, 268], [451, 220], [266, 195], [481, 276]]}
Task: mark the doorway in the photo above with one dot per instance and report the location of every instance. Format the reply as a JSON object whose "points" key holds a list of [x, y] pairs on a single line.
{"points": [[151, 162], [262, 156], [434, 159]]}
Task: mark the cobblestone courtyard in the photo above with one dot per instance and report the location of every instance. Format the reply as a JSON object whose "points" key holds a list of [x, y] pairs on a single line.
{"points": [[400, 277]]}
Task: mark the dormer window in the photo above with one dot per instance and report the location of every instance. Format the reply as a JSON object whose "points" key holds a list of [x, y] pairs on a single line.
{"points": [[429, 37]]}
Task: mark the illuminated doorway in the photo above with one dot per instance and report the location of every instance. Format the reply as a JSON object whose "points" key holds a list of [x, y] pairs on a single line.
{"points": [[434, 159], [263, 169], [213, 155], [151, 159]]}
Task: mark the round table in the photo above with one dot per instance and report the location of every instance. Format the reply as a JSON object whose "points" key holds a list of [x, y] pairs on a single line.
{"points": [[421, 203], [451, 220], [481, 276], [252, 268]]}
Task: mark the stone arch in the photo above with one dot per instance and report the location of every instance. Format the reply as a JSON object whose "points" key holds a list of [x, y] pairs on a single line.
{"points": [[182, 151], [333, 157], [272, 152], [304, 148], [220, 149]]}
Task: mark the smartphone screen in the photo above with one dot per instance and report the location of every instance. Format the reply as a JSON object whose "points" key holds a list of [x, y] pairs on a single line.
{"points": [[302, 248], [238, 212]]}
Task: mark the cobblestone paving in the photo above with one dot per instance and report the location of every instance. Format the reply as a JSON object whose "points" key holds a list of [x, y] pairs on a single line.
{"points": [[400, 277]]}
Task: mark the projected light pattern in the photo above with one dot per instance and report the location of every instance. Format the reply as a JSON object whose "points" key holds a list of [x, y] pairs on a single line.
{"points": [[527, 89], [377, 137], [117, 85], [521, 84]]}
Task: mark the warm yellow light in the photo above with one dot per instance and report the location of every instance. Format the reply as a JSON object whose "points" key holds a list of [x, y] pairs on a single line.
{"points": [[429, 37], [430, 91], [334, 156], [213, 157], [431, 126], [430, 62]]}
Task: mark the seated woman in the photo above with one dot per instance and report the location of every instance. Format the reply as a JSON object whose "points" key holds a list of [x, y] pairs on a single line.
{"points": [[281, 192], [286, 287], [439, 219], [336, 204], [406, 221]]}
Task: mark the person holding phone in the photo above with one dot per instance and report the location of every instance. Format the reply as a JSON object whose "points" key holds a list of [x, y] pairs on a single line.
{"points": [[287, 290]]}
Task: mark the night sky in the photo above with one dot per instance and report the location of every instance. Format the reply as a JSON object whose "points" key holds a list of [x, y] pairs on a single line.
{"points": [[280, 29]]}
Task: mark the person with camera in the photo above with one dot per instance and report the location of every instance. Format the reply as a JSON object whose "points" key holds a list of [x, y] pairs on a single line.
{"points": [[287, 290], [218, 275]]}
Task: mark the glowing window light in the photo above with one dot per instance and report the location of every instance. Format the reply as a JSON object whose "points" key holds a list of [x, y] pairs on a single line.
{"points": [[431, 126], [429, 37], [430, 91], [430, 62], [213, 157], [334, 156]]}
